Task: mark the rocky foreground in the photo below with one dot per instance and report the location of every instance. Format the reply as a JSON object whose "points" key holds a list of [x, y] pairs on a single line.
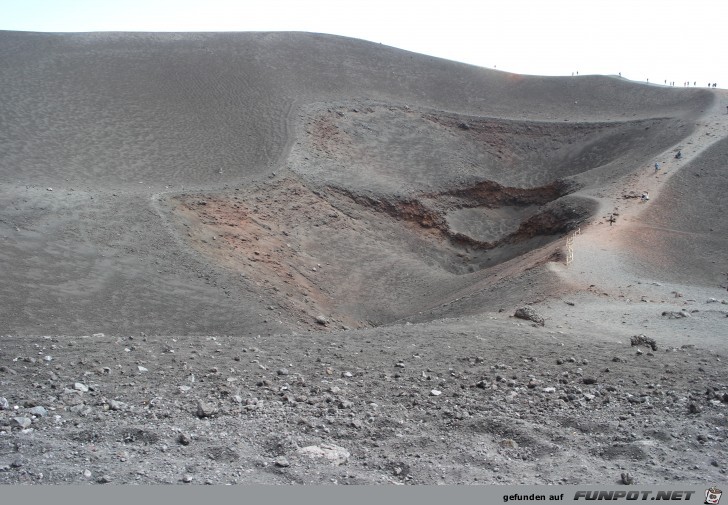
{"points": [[515, 403]]}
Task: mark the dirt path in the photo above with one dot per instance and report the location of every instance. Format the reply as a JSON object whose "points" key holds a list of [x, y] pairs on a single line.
{"points": [[605, 273]]}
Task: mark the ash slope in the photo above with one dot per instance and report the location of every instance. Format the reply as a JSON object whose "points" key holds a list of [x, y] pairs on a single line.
{"points": [[117, 125], [188, 184]]}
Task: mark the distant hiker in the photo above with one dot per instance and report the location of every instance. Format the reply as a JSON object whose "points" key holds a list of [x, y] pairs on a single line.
{"points": [[611, 219], [657, 167], [678, 155], [645, 196]]}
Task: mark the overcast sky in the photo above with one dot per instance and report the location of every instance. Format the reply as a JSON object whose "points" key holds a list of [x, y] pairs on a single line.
{"points": [[665, 40]]}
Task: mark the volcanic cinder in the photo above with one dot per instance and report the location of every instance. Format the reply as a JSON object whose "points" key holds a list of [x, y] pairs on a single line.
{"points": [[298, 258]]}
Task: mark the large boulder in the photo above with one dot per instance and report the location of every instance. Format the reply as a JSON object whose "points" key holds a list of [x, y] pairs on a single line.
{"points": [[529, 314]]}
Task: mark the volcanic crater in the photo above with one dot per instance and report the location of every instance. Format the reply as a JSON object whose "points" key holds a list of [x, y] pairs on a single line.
{"points": [[457, 193]]}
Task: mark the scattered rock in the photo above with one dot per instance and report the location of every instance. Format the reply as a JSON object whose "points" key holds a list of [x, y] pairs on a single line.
{"points": [[509, 443], [104, 479], [79, 386], [435, 392], [205, 409], [322, 320], [643, 340], [116, 405], [22, 422], [38, 411], [693, 408], [142, 369], [627, 479], [589, 380], [282, 462], [4, 403], [184, 439], [223, 454], [675, 315], [335, 454], [529, 314]]}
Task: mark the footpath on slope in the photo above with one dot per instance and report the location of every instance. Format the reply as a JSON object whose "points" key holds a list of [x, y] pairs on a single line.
{"points": [[614, 297]]}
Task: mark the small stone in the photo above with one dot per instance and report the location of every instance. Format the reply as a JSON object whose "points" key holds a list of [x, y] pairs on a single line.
{"points": [[693, 408], [435, 392], [4, 403], [347, 374], [184, 439], [322, 320], [116, 405], [282, 371], [87, 473], [205, 410], [187, 478], [98, 335], [627, 479], [282, 462], [22, 422], [509, 443], [549, 390], [142, 369], [104, 479], [79, 386], [346, 404], [335, 454], [589, 380], [38, 411]]}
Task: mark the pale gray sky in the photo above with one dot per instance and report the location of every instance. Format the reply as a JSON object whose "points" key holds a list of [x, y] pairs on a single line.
{"points": [[660, 40]]}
